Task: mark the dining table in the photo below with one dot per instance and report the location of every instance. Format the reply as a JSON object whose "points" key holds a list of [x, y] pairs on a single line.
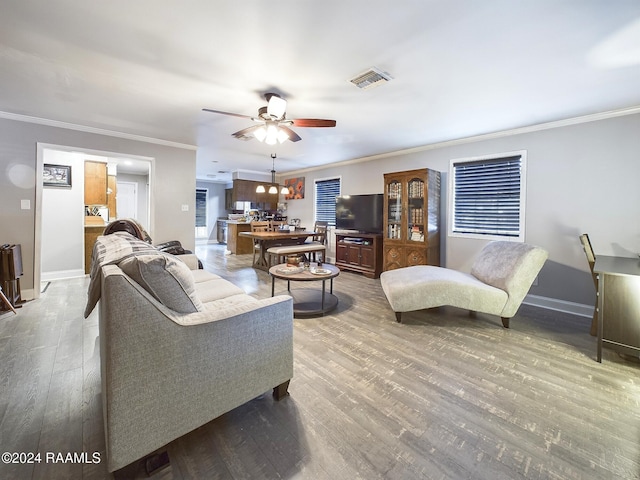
{"points": [[266, 240]]}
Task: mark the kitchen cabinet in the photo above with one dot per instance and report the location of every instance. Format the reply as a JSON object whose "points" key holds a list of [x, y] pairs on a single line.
{"points": [[95, 183], [245, 191], [411, 219], [112, 190], [228, 199]]}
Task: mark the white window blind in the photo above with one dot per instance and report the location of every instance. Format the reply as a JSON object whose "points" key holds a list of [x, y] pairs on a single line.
{"points": [[488, 196], [326, 192]]}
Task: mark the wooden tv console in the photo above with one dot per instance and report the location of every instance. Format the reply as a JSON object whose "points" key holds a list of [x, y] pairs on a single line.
{"points": [[359, 252]]}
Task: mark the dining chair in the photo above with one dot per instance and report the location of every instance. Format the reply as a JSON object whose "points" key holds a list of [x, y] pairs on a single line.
{"points": [[316, 244], [591, 259], [319, 238], [277, 224], [259, 226]]}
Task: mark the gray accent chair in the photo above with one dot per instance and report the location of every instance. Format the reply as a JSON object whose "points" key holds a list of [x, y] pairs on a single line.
{"points": [[500, 278]]}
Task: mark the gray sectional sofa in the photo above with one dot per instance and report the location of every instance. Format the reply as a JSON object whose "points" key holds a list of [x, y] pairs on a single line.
{"points": [[178, 347]]}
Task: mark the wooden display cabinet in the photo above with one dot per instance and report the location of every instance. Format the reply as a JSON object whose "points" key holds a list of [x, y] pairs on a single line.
{"points": [[411, 219], [359, 252]]}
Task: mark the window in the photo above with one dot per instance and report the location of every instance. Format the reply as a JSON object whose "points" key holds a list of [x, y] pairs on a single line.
{"points": [[326, 192], [201, 213], [487, 199]]}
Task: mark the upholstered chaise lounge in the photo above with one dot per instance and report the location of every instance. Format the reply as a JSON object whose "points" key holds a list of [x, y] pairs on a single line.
{"points": [[499, 280]]}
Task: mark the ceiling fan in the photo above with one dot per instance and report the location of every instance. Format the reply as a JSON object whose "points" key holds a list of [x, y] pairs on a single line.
{"points": [[272, 126]]}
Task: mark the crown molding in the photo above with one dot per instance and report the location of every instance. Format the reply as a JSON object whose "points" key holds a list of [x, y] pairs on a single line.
{"points": [[97, 131], [477, 138]]}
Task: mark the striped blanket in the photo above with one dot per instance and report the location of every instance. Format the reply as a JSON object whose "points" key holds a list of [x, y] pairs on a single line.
{"points": [[110, 249]]}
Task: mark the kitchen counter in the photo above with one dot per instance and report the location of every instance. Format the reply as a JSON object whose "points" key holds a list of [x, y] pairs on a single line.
{"points": [[235, 243], [93, 228]]}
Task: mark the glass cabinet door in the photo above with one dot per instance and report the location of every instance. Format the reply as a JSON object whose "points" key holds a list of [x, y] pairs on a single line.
{"points": [[415, 212], [394, 210]]}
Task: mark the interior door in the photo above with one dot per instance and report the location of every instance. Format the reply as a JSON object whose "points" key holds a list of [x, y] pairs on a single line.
{"points": [[127, 200]]}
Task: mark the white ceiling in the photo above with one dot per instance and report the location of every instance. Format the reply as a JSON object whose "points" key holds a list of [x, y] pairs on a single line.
{"points": [[460, 68]]}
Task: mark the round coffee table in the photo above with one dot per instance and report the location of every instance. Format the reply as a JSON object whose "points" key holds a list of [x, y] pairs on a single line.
{"points": [[307, 301]]}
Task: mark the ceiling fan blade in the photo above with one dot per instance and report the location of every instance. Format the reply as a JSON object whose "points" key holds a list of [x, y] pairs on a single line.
{"points": [[313, 122], [293, 136], [246, 133], [226, 113]]}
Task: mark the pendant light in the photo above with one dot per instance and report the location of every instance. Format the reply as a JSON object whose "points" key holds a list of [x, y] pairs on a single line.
{"points": [[272, 189]]}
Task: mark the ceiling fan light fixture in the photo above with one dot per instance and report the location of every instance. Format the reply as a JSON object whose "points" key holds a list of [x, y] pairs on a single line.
{"points": [[272, 134], [276, 107], [260, 134], [282, 136], [273, 126]]}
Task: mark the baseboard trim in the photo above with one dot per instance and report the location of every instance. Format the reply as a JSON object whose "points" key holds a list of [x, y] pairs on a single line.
{"points": [[559, 305], [61, 274], [27, 294]]}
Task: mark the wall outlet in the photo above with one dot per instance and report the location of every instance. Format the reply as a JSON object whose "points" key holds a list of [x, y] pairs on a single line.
{"points": [[185, 208], [25, 204]]}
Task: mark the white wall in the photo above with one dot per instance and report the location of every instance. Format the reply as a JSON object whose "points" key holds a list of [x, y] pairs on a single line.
{"points": [[63, 221], [172, 178], [581, 178]]}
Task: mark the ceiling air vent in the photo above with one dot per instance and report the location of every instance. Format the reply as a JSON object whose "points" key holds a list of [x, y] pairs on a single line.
{"points": [[371, 78]]}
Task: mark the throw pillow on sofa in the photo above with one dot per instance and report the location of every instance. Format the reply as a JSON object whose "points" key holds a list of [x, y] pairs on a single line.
{"points": [[166, 278]]}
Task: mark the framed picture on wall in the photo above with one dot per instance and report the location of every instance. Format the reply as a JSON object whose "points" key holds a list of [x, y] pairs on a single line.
{"points": [[56, 175], [296, 188]]}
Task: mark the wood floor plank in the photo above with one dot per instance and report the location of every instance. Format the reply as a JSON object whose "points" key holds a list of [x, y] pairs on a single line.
{"points": [[441, 396]]}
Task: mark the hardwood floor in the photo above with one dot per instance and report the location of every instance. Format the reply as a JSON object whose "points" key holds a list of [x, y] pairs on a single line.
{"points": [[441, 396]]}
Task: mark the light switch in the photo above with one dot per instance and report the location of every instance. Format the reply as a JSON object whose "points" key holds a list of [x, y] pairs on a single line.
{"points": [[185, 208], [25, 204]]}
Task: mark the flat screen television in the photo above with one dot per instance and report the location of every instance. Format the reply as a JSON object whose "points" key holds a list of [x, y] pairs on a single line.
{"points": [[360, 212]]}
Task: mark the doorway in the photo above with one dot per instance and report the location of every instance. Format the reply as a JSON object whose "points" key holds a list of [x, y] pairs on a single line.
{"points": [[65, 243]]}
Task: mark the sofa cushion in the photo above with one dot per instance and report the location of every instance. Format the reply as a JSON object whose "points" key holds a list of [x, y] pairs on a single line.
{"points": [[215, 289], [166, 278], [201, 275], [230, 302]]}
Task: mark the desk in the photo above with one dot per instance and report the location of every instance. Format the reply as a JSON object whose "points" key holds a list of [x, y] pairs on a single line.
{"points": [[269, 239], [618, 304]]}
